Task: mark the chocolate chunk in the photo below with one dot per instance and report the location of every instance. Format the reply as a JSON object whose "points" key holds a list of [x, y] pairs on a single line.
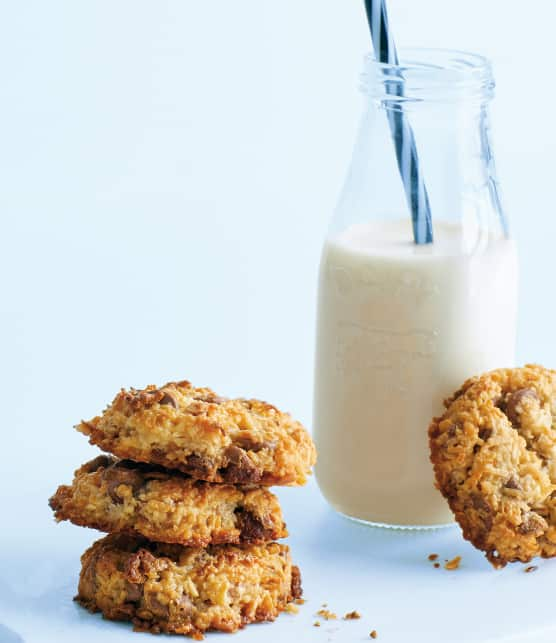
{"points": [[240, 468], [116, 476], [484, 434], [512, 483], [169, 400], [454, 428], [155, 606], [101, 461], [512, 404], [158, 454], [249, 443], [484, 510], [156, 475], [185, 605], [297, 591], [532, 524], [252, 529], [134, 591], [199, 466], [139, 564]]}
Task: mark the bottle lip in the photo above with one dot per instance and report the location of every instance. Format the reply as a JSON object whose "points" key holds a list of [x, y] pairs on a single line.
{"points": [[429, 74]]}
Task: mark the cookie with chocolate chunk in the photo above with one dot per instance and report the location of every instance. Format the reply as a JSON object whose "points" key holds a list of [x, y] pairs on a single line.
{"points": [[186, 590], [494, 457], [204, 435], [167, 506]]}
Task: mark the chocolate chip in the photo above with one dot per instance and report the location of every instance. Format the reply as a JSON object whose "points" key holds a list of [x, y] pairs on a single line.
{"points": [[512, 404], [484, 434]]}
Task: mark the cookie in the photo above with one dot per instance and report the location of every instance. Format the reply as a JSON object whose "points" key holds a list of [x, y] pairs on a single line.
{"points": [[167, 506], [494, 457], [204, 435], [186, 590]]}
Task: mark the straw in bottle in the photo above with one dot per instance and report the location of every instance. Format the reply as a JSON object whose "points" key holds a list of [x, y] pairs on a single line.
{"points": [[402, 134]]}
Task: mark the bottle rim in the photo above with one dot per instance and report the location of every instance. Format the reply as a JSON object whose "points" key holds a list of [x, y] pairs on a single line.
{"points": [[429, 74]]}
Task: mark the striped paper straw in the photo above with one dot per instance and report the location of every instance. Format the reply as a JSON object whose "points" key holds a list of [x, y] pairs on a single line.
{"points": [[402, 134]]}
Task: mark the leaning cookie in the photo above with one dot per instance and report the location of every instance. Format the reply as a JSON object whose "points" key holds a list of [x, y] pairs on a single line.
{"points": [[494, 457], [206, 436], [123, 496], [181, 590]]}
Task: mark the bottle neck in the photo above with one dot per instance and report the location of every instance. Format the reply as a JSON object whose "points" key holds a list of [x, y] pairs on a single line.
{"points": [[450, 127]]}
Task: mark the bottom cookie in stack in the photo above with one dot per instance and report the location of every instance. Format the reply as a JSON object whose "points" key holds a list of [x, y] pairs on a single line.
{"points": [[186, 590]]}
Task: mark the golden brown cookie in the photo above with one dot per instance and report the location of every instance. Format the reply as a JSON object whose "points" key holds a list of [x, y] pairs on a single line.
{"points": [[494, 457], [186, 590], [204, 435], [167, 506]]}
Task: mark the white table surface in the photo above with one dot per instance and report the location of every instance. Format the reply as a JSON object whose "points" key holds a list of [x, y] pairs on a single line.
{"points": [[383, 574]]}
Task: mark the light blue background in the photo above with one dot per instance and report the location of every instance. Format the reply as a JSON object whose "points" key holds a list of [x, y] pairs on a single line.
{"points": [[167, 172]]}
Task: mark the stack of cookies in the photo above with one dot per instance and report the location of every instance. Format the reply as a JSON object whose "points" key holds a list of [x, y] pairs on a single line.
{"points": [[185, 501]]}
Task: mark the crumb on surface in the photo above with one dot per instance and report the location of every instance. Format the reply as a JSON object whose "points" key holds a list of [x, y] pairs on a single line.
{"points": [[316, 624], [436, 565], [433, 557], [373, 634], [453, 564], [530, 568], [350, 616], [327, 615], [300, 601]]}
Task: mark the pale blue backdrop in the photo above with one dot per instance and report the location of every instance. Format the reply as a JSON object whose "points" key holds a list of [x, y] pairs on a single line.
{"points": [[167, 171]]}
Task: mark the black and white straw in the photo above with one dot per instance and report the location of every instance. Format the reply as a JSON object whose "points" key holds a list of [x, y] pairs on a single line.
{"points": [[402, 134]]}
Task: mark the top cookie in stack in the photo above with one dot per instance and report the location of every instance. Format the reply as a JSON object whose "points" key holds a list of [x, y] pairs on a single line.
{"points": [[190, 517], [204, 435]]}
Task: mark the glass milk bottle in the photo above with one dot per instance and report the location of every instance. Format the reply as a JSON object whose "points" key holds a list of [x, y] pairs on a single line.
{"points": [[400, 325]]}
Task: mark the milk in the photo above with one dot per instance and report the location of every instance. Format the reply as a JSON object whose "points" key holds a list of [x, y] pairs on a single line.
{"points": [[400, 327]]}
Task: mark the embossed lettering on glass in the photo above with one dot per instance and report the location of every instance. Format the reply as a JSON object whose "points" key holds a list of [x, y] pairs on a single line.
{"points": [[401, 326]]}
